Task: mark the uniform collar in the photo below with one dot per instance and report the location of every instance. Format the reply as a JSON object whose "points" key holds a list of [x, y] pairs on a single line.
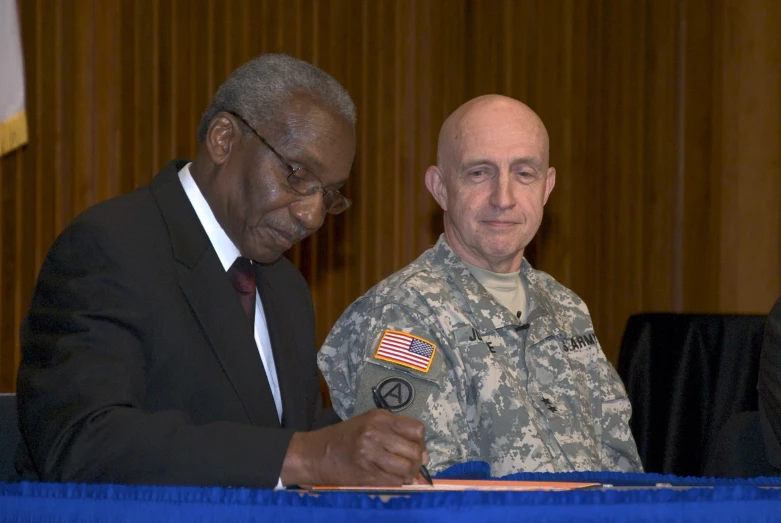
{"points": [[487, 313]]}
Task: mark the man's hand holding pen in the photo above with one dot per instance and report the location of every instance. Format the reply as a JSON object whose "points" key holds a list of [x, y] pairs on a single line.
{"points": [[376, 448], [380, 403]]}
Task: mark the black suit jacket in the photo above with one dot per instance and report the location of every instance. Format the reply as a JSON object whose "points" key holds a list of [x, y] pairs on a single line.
{"points": [[138, 363], [769, 386]]}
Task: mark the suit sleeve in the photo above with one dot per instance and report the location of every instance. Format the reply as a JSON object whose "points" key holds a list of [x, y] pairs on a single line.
{"points": [[81, 384]]}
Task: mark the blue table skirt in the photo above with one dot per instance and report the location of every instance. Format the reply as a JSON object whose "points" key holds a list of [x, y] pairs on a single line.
{"points": [[724, 500]]}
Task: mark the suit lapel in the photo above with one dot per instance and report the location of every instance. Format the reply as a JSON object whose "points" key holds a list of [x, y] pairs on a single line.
{"points": [[283, 345], [212, 298]]}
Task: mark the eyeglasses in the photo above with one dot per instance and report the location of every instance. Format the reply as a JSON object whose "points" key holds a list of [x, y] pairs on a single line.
{"points": [[303, 182]]}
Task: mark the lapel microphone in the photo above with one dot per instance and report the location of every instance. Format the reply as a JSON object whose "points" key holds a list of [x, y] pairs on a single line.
{"points": [[521, 327]]}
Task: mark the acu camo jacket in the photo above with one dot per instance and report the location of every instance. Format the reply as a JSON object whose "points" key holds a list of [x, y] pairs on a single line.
{"points": [[539, 397]]}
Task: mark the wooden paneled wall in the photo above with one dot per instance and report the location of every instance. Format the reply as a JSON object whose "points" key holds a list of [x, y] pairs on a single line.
{"points": [[664, 117]]}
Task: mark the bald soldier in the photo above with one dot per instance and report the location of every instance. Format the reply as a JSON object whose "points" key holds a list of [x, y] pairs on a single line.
{"points": [[498, 360]]}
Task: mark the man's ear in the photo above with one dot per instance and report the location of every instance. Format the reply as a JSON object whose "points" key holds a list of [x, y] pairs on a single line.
{"points": [[435, 183], [221, 136], [550, 182]]}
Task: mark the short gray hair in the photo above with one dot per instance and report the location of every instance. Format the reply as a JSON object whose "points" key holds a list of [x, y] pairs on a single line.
{"points": [[257, 89]]}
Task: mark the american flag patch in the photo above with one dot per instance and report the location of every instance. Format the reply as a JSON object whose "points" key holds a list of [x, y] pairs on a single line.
{"points": [[405, 349]]}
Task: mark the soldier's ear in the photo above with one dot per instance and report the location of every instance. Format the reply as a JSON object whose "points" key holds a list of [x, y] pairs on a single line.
{"points": [[435, 183], [550, 182]]}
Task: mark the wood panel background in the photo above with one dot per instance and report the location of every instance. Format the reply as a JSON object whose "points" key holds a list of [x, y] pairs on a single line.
{"points": [[664, 117]]}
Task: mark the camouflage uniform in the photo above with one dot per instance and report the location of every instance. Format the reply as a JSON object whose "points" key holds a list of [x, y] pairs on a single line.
{"points": [[536, 398]]}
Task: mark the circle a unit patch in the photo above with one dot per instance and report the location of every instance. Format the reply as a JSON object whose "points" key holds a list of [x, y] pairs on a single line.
{"points": [[398, 393]]}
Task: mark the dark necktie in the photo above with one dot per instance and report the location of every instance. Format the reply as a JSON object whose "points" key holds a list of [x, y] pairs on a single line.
{"points": [[243, 280]]}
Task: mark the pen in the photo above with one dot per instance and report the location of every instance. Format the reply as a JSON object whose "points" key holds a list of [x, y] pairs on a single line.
{"points": [[380, 402]]}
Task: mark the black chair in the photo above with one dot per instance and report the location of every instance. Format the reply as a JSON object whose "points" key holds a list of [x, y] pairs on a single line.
{"points": [[9, 437], [740, 450], [686, 375]]}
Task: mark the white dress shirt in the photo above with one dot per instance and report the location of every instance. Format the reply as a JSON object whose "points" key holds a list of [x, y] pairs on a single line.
{"points": [[228, 253]]}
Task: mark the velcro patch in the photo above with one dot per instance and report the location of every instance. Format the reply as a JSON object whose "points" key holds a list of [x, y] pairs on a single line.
{"points": [[579, 342], [406, 350], [397, 392]]}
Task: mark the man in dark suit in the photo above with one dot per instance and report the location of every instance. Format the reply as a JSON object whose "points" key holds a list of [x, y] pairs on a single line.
{"points": [[769, 386], [149, 354]]}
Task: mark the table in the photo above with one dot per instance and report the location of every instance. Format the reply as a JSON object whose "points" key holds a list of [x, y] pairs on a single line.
{"points": [[705, 500]]}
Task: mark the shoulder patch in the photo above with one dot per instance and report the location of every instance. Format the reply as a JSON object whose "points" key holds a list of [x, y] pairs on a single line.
{"points": [[406, 350], [397, 392]]}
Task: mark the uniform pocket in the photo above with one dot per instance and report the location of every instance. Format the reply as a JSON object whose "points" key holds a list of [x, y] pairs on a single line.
{"points": [[404, 391]]}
